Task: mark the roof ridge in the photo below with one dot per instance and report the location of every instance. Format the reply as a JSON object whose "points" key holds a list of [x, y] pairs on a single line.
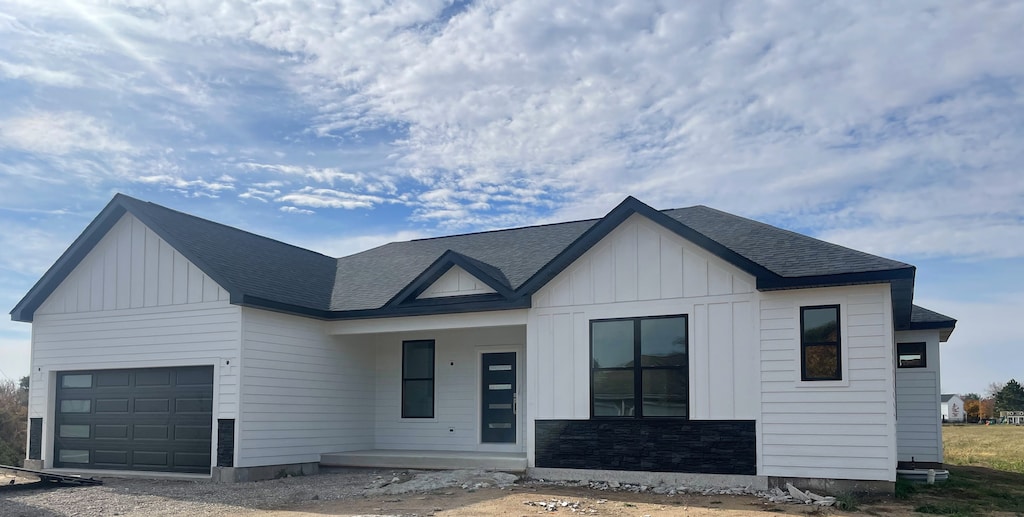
{"points": [[498, 230]]}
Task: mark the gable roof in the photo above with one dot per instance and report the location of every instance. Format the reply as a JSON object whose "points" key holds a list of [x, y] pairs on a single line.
{"points": [[384, 281], [945, 398]]}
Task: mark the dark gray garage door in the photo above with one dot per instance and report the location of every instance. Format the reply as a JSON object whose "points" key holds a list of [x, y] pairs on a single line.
{"points": [[140, 419]]}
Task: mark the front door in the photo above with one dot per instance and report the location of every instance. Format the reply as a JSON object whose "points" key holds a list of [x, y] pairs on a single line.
{"points": [[498, 414]]}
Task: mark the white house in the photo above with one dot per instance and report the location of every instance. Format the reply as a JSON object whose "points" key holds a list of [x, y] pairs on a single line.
{"points": [[952, 408], [688, 342]]}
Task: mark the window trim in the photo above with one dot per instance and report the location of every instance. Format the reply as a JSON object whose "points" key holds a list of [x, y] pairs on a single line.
{"points": [[638, 368], [924, 354], [838, 343], [432, 378]]}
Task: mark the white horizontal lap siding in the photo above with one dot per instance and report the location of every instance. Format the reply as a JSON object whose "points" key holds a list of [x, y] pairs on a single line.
{"points": [[456, 282], [843, 429], [918, 416], [304, 393], [641, 269], [455, 425]]}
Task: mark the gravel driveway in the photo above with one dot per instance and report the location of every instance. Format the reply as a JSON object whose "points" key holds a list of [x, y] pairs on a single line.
{"points": [[137, 497]]}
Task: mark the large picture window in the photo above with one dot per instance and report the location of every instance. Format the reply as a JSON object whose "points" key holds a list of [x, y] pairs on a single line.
{"points": [[418, 379], [820, 352], [639, 367]]}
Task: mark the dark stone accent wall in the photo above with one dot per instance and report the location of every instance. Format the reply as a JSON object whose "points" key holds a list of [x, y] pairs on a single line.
{"points": [[651, 444], [226, 442], [35, 438]]}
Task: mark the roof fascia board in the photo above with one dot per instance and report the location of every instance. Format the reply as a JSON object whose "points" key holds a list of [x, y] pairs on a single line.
{"points": [[867, 277], [438, 268], [617, 216], [466, 304], [69, 260]]}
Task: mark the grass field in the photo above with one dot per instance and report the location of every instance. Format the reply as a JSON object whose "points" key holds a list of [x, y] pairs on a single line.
{"points": [[999, 447], [986, 474]]}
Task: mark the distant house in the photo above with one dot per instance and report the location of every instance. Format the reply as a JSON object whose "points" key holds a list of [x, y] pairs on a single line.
{"points": [[687, 342], [1012, 417], [952, 408]]}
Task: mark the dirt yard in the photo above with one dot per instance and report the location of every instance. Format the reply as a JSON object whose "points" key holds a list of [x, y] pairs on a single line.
{"points": [[368, 492]]}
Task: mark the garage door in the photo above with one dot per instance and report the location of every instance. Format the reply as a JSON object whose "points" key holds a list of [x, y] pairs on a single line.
{"points": [[142, 419]]}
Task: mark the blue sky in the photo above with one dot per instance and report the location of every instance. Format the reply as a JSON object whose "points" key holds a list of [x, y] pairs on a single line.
{"points": [[892, 127]]}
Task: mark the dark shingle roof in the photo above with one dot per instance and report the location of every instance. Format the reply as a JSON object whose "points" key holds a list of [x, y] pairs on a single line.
{"points": [[370, 279], [263, 272], [945, 398], [785, 253], [921, 316]]}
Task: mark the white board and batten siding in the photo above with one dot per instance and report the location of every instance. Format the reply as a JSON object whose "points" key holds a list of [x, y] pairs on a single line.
{"points": [[828, 429], [641, 269], [456, 282], [457, 389], [304, 393], [134, 302], [918, 397]]}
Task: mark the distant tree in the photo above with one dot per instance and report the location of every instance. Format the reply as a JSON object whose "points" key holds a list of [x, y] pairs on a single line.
{"points": [[23, 390], [13, 422], [971, 396], [987, 408], [994, 388], [972, 410], [1011, 397]]}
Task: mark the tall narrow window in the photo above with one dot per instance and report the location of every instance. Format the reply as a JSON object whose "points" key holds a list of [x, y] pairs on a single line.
{"points": [[639, 367], [820, 353], [418, 379]]}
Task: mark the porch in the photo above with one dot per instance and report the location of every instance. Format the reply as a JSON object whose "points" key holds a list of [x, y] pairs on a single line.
{"points": [[430, 460]]}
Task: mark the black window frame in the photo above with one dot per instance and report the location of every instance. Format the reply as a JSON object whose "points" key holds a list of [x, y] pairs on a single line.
{"points": [[923, 353], [838, 343], [433, 375], [638, 369]]}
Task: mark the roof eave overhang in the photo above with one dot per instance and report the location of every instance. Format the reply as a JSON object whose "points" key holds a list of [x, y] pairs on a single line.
{"points": [[900, 280], [453, 305], [65, 264]]}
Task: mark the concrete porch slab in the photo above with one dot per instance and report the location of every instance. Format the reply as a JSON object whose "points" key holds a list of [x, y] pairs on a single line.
{"points": [[431, 460]]}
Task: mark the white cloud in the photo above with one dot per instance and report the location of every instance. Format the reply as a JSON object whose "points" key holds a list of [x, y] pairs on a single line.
{"points": [[330, 198], [39, 74], [60, 133], [295, 210]]}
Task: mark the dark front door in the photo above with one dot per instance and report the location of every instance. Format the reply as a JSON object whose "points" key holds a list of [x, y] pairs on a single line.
{"points": [[498, 420], [141, 419]]}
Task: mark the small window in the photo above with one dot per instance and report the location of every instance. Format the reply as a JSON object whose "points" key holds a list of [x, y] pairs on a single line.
{"points": [[418, 379], [820, 353], [910, 355], [74, 430], [75, 406], [76, 381], [73, 456]]}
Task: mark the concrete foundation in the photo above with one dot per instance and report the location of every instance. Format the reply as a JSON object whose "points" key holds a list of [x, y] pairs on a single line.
{"points": [[672, 479], [243, 474], [34, 464], [835, 486], [431, 460]]}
